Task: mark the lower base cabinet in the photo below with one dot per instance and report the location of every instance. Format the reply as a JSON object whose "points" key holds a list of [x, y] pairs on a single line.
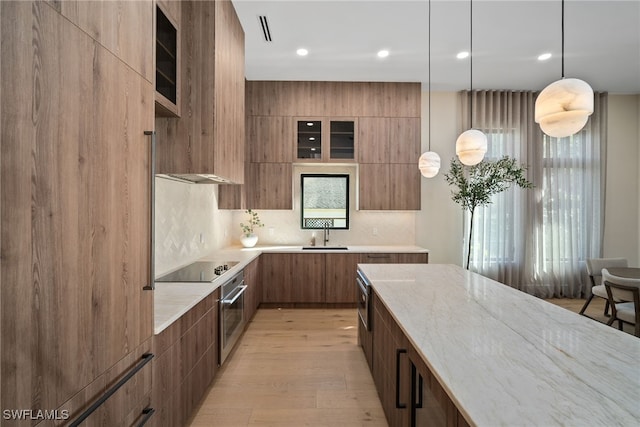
{"points": [[186, 362], [409, 392], [320, 278]]}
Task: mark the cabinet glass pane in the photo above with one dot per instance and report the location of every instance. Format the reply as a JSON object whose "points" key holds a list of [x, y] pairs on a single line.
{"points": [[341, 140], [166, 62], [309, 139]]}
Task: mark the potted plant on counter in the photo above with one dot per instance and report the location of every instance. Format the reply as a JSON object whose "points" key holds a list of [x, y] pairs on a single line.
{"points": [[249, 238], [476, 184]]}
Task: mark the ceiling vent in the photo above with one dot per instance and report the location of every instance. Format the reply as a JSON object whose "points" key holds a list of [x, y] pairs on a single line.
{"points": [[266, 32]]}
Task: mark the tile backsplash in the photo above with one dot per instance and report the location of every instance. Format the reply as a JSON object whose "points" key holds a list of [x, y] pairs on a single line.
{"points": [[189, 224]]}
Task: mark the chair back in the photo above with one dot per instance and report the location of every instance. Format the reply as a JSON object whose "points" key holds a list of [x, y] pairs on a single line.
{"points": [[622, 288], [595, 266]]}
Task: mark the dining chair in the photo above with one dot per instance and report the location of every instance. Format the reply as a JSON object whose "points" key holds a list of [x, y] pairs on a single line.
{"points": [[624, 297], [594, 270]]}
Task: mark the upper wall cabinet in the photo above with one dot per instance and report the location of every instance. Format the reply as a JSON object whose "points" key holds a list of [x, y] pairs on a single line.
{"points": [[389, 140], [167, 63], [325, 139], [209, 136]]}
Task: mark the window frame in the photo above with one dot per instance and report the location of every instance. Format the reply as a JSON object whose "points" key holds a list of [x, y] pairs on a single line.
{"points": [[302, 208]]}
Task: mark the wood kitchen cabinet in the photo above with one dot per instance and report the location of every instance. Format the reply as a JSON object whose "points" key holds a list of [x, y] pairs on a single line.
{"points": [[186, 362], [391, 365], [271, 186], [253, 294], [293, 278], [325, 139], [168, 53], [389, 186], [75, 198], [341, 276], [209, 136], [270, 139], [389, 139], [326, 278]]}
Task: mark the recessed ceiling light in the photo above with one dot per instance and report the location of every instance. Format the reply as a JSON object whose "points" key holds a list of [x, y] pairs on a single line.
{"points": [[309, 123], [462, 55], [302, 51], [383, 53], [312, 138], [544, 57], [313, 149]]}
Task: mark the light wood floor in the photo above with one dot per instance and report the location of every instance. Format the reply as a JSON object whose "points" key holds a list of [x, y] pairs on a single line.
{"points": [[304, 368], [294, 368]]}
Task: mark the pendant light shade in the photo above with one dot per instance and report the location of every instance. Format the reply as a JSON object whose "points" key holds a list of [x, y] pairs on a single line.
{"points": [[471, 147], [564, 107], [429, 164]]}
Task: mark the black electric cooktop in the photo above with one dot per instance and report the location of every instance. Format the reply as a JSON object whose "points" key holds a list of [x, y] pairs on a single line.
{"points": [[201, 271]]}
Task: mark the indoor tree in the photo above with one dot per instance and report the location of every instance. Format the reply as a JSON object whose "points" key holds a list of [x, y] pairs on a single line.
{"points": [[476, 184]]}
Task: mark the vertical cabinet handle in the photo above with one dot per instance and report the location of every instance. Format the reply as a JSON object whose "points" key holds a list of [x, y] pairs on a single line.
{"points": [[399, 352], [152, 211]]}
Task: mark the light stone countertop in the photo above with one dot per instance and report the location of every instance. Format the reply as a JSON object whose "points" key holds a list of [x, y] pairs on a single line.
{"points": [[172, 300], [508, 358]]}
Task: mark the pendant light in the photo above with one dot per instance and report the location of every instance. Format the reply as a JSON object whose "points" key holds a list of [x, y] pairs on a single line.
{"points": [[429, 162], [471, 145], [564, 106]]}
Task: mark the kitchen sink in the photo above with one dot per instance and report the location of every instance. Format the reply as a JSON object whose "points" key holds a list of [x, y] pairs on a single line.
{"points": [[324, 248]]}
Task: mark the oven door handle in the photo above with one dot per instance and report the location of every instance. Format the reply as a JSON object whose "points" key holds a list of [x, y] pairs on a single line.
{"points": [[234, 298], [363, 288]]}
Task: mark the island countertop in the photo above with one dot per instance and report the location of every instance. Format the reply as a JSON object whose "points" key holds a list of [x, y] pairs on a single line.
{"points": [[507, 358]]}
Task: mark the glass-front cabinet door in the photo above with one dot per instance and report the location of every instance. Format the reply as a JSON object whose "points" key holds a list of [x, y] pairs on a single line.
{"points": [[309, 139], [325, 139]]}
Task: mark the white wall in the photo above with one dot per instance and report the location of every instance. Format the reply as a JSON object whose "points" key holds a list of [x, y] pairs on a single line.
{"points": [[183, 213], [439, 224], [622, 213]]}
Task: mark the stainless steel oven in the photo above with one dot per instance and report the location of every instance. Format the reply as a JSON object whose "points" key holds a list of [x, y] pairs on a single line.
{"points": [[232, 319], [364, 296]]}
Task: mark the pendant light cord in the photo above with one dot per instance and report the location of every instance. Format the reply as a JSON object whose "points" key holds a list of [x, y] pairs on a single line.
{"points": [[429, 74], [562, 30], [471, 64]]}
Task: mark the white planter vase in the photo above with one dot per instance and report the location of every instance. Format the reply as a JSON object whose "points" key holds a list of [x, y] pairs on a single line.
{"points": [[249, 241]]}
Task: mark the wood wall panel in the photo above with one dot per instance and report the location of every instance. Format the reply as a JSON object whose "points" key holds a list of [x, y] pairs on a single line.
{"points": [[117, 25], [404, 139], [271, 139], [74, 203], [229, 83], [270, 186], [373, 140], [373, 185], [361, 99], [404, 186]]}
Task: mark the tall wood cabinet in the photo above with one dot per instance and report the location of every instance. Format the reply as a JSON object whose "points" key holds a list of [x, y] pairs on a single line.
{"points": [[208, 137], [74, 205]]}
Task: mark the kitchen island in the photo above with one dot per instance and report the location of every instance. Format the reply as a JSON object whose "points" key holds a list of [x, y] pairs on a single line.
{"points": [[504, 357]]}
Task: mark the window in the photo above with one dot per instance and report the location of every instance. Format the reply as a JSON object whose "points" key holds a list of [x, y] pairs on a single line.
{"points": [[325, 201]]}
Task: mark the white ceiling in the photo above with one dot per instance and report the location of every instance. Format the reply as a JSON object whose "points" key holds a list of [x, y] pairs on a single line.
{"points": [[602, 42]]}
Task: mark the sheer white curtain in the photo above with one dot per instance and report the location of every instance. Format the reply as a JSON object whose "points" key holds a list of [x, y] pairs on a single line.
{"points": [[537, 240]]}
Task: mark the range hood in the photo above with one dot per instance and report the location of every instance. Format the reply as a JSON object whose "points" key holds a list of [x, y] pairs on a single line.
{"points": [[196, 178]]}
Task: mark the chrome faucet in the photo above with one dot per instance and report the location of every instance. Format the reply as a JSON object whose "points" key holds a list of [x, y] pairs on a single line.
{"points": [[325, 234]]}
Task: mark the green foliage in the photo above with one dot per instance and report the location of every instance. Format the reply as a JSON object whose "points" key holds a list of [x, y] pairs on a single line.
{"points": [[476, 184], [254, 221]]}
